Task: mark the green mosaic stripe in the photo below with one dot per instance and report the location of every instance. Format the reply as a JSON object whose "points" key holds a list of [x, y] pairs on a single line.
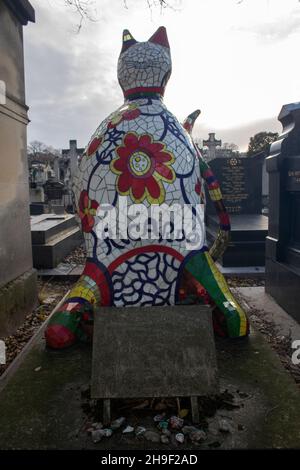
{"points": [[203, 166], [67, 319], [198, 266]]}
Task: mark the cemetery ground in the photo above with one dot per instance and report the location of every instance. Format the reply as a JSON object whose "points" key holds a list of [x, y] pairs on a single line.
{"points": [[258, 404]]}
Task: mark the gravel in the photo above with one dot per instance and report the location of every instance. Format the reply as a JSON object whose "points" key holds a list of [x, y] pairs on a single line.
{"points": [[77, 256], [49, 294], [245, 281]]}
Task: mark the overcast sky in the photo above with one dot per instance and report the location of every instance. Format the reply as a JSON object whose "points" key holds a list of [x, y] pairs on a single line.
{"points": [[238, 61]]}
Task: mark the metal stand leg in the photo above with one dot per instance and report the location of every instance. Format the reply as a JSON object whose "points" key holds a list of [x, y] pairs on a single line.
{"points": [[106, 412], [178, 405], [195, 410]]}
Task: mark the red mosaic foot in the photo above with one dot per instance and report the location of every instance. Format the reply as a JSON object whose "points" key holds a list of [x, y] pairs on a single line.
{"points": [[59, 337]]}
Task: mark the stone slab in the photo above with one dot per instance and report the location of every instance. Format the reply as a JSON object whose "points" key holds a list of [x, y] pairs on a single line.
{"points": [[37, 208], [244, 227], [283, 283], [247, 239], [153, 352], [46, 226], [253, 272], [63, 271], [49, 255]]}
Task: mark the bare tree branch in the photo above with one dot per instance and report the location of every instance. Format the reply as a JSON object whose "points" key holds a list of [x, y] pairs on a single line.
{"points": [[86, 8]]}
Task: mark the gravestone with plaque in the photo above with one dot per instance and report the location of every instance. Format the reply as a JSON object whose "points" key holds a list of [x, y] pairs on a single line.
{"points": [[162, 351], [241, 184]]}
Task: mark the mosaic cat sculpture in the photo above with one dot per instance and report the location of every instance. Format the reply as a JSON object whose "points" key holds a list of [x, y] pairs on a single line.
{"points": [[142, 153]]}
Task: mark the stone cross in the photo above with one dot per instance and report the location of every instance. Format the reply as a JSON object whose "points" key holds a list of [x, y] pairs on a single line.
{"points": [[72, 155], [212, 143]]}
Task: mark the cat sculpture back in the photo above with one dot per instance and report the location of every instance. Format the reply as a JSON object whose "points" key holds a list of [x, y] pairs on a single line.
{"points": [[139, 196], [142, 153]]}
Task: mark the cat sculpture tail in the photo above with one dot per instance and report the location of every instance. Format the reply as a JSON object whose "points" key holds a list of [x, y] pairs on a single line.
{"points": [[229, 318]]}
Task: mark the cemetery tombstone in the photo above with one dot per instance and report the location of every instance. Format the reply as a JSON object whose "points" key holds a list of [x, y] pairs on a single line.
{"points": [[211, 143], [283, 240], [54, 190], [18, 291], [37, 204], [72, 154], [36, 189], [241, 185], [68, 169], [53, 237]]}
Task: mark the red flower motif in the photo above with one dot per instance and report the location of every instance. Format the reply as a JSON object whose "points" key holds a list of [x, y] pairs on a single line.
{"points": [[131, 112], [94, 145], [142, 164], [87, 211]]}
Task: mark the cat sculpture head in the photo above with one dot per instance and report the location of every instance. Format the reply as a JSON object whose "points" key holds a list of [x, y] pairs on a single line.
{"points": [[144, 67]]}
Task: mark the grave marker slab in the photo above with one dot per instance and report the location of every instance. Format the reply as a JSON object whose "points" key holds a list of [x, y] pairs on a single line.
{"points": [[153, 352], [241, 184], [53, 237]]}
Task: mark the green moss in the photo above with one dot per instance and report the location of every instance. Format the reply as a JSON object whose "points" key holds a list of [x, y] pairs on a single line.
{"points": [[253, 364], [40, 400]]}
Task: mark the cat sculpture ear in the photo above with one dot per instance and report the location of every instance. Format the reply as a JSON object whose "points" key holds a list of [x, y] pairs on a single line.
{"points": [[160, 37], [128, 40]]}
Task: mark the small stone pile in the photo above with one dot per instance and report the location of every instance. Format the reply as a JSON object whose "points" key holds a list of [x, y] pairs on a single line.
{"points": [[172, 430]]}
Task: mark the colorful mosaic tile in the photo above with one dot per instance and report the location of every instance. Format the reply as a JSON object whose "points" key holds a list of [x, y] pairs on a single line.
{"points": [[143, 153]]}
